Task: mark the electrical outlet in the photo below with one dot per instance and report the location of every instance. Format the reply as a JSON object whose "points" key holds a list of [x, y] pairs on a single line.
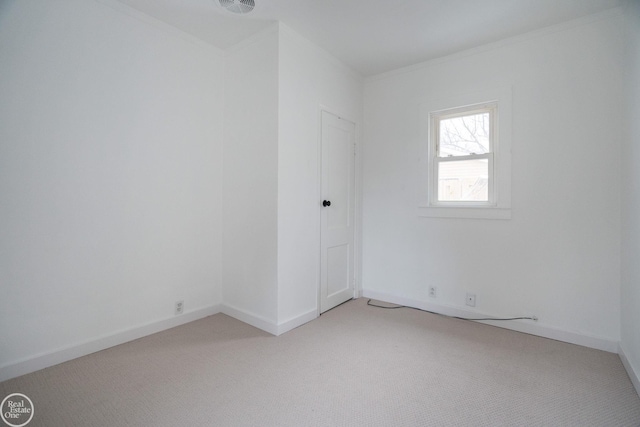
{"points": [[179, 307], [433, 292], [471, 300]]}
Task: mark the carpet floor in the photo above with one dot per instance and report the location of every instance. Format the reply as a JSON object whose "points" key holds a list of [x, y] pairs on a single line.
{"points": [[356, 365]]}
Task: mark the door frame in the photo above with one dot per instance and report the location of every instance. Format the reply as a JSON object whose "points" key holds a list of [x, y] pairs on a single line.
{"points": [[357, 216]]}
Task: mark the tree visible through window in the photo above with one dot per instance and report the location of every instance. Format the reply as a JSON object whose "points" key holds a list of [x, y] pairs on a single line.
{"points": [[463, 143]]}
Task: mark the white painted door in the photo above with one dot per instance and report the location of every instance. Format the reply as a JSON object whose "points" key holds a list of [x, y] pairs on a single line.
{"points": [[338, 211]]}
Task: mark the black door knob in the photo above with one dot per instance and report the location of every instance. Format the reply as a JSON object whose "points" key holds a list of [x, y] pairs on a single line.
{"points": [[326, 203]]}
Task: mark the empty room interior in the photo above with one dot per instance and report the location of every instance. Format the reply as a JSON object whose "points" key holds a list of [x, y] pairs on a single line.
{"points": [[284, 213]]}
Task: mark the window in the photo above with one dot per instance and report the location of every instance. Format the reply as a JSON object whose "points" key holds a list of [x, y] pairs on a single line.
{"points": [[463, 142], [465, 156]]}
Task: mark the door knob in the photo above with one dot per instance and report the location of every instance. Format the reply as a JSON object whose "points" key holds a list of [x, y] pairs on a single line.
{"points": [[326, 203]]}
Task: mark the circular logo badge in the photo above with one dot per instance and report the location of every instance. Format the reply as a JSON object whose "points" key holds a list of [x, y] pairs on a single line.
{"points": [[17, 410]]}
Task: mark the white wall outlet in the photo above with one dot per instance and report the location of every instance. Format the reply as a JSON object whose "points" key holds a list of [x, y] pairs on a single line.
{"points": [[179, 308], [471, 300], [433, 292]]}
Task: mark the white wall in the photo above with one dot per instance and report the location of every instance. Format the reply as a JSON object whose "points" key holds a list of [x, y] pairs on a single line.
{"points": [[110, 173], [275, 84], [251, 178], [559, 255], [630, 339], [308, 79]]}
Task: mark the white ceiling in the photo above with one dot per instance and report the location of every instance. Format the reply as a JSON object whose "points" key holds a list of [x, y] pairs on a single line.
{"points": [[374, 36]]}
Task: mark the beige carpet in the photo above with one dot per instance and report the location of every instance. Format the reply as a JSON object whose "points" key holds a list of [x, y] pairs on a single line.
{"points": [[354, 366]]}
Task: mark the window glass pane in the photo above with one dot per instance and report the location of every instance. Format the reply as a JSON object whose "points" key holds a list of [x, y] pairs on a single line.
{"points": [[461, 136], [463, 181]]}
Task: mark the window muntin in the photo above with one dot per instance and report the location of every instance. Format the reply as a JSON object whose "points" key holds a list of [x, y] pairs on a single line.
{"points": [[463, 143]]}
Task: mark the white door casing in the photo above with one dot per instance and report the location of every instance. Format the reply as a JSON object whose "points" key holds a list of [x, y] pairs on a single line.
{"points": [[337, 274]]}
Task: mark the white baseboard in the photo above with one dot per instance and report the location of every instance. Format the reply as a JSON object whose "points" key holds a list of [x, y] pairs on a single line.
{"points": [[297, 321], [73, 351], [266, 324], [251, 319], [55, 357], [632, 371], [35, 363], [526, 326]]}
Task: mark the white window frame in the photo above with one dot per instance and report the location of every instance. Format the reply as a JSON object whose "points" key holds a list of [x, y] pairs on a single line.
{"points": [[431, 112], [434, 150]]}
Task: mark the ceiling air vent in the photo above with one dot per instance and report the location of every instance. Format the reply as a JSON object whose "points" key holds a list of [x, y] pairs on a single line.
{"points": [[238, 6]]}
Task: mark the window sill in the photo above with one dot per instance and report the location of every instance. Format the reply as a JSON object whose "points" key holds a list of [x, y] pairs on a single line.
{"points": [[464, 212]]}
